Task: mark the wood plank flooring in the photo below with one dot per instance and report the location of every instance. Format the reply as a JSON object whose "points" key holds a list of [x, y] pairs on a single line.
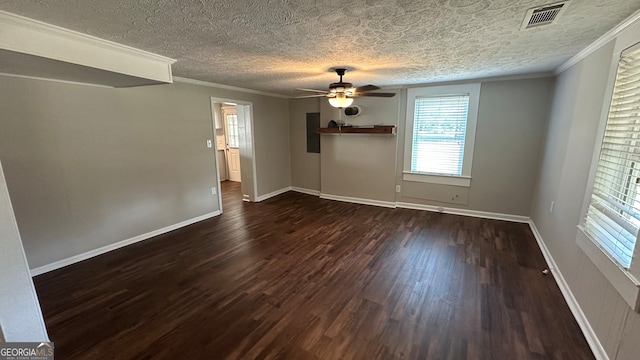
{"points": [[298, 277]]}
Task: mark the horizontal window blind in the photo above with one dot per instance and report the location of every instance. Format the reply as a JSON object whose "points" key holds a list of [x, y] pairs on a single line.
{"points": [[613, 216], [439, 129]]}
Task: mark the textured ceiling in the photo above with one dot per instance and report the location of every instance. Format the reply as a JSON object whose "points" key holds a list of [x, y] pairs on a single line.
{"points": [[280, 45]]}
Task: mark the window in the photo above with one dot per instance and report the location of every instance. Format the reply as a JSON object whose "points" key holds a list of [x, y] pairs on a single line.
{"points": [[232, 128], [613, 215], [440, 133]]}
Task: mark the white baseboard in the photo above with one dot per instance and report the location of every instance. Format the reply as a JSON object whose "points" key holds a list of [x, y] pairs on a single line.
{"points": [[465, 212], [305, 191], [105, 249], [391, 204], [388, 204], [578, 314], [272, 194]]}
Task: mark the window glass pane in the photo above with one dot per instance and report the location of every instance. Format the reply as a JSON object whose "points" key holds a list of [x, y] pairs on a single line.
{"points": [[439, 129], [232, 128]]}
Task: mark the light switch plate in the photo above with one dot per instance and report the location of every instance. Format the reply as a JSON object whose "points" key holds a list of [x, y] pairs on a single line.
{"points": [[209, 144]]}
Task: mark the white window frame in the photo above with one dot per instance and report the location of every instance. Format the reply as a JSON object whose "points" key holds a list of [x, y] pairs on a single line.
{"points": [[473, 90], [625, 281]]}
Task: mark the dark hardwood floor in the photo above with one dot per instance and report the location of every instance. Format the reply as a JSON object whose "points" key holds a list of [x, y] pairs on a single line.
{"points": [[297, 277]]}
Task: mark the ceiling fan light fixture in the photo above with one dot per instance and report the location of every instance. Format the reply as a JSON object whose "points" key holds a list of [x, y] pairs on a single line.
{"points": [[340, 101]]}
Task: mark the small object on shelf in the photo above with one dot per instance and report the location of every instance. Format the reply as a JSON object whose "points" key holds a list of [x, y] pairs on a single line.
{"points": [[365, 129]]}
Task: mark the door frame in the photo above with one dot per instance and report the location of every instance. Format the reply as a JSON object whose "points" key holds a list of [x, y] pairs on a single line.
{"points": [[248, 174]]}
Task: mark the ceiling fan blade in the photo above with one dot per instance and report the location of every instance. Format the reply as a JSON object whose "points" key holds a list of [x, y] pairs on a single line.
{"points": [[367, 88], [313, 90], [310, 96], [373, 94]]}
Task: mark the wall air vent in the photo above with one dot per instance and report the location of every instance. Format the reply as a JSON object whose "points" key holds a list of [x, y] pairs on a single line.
{"points": [[543, 15]]}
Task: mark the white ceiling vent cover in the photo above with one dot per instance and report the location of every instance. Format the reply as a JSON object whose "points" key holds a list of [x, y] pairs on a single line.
{"points": [[543, 15]]}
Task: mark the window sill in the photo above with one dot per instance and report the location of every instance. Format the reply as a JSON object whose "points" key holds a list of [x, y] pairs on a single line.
{"points": [[625, 284], [437, 179]]}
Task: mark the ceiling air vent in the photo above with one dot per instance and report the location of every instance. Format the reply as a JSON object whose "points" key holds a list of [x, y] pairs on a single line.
{"points": [[543, 15]]}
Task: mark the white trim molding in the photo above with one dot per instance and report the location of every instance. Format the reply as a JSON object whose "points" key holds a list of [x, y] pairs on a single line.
{"points": [[465, 212], [472, 90], [387, 204], [22, 35], [625, 284], [413, 206], [120, 244], [227, 87], [574, 306], [305, 191], [272, 194], [53, 30], [600, 42], [437, 179]]}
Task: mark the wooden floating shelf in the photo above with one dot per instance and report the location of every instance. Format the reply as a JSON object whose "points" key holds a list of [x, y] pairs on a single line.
{"points": [[376, 129]]}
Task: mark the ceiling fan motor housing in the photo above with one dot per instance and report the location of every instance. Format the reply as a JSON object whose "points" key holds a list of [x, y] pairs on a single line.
{"points": [[341, 87]]}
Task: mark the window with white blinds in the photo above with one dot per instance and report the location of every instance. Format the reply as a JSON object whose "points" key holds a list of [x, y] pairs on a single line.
{"points": [[439, 129], [440, 133], [613, 216]]}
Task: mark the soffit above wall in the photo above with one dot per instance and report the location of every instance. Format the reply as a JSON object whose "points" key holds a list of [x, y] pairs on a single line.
{"points": [[34, 49], [278, 46], [24, 65]]}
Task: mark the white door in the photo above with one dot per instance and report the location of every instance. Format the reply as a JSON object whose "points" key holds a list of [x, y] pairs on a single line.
{"points": [[233, 144]]}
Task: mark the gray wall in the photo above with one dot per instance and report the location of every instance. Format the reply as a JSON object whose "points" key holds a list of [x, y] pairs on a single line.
{"points": [[569, 146], [272, 142], [360, 166], [305, 167], [512, 120], [89, 166]]}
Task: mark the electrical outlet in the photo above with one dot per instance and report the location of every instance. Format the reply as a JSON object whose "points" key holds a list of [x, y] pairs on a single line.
{"points": [[397, 188], [214, 191], [209, 144]]}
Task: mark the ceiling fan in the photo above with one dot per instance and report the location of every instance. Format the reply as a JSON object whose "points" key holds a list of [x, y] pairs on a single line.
{"points": [[341, 94]]}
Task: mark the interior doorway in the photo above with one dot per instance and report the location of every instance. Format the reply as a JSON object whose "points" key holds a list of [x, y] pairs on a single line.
{"points": [[234, 147], [232, 142]]}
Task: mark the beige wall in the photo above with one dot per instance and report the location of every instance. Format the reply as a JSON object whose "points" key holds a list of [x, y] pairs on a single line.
{"points": [[271, 137], [357, 165], [88, 166], [512, 120], [569, 146], [305, 167]]}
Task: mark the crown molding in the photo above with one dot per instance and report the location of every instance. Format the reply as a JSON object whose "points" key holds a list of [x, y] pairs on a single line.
{"points": [[524, 76], [600, 42], [227, 87], [21, 36], [53, 30]]}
